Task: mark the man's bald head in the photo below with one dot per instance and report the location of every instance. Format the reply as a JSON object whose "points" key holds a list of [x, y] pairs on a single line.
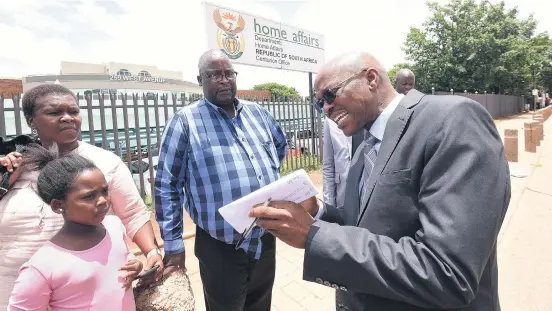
{"points": [[210, 56], [354, 88], [218, 78], [405, 81], [347, 64]]}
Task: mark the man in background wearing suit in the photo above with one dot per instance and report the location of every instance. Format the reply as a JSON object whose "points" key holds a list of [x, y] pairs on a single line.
{"points": [[426, 195]]}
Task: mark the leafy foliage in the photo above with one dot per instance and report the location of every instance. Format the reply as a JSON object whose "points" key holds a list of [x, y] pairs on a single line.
{"points": [[278, 90], [476, 46]]}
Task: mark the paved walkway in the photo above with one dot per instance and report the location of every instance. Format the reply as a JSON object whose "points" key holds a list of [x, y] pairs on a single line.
{"points": [[525, 243]]}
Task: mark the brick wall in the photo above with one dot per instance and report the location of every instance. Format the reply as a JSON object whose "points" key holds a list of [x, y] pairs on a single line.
{"points": [[245, 94], [11, 86]]}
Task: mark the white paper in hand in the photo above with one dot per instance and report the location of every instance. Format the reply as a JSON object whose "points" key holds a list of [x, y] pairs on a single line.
{"points": [[295, 187]]}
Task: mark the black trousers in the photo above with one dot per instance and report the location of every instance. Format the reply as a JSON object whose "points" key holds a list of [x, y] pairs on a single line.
{"points": [[232, 279]]}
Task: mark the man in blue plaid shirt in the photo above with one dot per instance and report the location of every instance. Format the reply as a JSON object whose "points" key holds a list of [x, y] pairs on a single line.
{"points": [[214, 152]]}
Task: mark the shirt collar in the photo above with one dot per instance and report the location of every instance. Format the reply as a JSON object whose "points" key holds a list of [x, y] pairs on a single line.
{"points": [[378, 128], [237, 103]]}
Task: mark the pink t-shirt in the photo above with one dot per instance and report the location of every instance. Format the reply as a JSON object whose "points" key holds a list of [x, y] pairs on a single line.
{"points": [[76, 280]]}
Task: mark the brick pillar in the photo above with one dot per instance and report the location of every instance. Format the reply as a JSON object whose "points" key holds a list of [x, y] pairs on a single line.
{"points": [[547, 112], [530, 145], [511, 145], [539, 118]]}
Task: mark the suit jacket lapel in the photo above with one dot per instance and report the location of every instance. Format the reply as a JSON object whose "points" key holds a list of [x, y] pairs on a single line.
{"points": [[393, 132]]}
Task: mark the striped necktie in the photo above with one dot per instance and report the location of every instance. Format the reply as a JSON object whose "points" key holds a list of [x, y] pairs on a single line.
{"points": [[370, 155]]}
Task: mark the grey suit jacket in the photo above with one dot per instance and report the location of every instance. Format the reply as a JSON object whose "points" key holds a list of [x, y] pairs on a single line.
{"points": [[425, 238], [335, 164]]}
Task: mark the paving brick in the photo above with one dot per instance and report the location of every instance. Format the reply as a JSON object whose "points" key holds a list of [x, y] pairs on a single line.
{"points": [[321, 292], [283, 302], [316, 304], [296, 291]]}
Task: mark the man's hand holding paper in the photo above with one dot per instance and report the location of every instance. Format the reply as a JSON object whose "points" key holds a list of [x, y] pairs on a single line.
{"points": [[295, 187], [288, 221]]}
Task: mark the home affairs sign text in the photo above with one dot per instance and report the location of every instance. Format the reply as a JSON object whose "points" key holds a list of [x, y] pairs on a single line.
{"points": [[252, 40]]}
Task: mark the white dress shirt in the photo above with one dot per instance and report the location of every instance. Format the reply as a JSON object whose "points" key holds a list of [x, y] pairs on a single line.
{"points": [[378, 128]]}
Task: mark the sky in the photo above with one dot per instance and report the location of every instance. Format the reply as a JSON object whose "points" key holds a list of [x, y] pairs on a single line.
{"points": [[36, 35]]}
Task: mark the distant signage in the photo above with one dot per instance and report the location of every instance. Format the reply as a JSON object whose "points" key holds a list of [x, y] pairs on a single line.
{"points": [[133, 78], [252, 40]]}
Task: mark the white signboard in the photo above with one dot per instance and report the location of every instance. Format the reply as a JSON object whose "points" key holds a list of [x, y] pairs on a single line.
{"points": [[252, 40]]}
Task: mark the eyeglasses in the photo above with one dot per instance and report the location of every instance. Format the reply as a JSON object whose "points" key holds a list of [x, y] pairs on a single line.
{"points": [[218, 76], [5, 184], [330, 94]]}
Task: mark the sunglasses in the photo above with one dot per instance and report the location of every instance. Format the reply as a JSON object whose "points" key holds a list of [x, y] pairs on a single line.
{"points": [[5, 184], [330, 94]]}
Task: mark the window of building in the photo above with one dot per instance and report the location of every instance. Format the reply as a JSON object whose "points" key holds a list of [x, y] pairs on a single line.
{"points": [[144, 73], [123, 72]]}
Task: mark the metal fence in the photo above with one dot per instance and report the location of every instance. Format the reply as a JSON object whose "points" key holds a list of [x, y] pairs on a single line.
{"points": [[496, 104], [131, 126]]}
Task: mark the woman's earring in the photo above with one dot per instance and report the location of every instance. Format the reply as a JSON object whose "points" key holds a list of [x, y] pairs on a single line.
{"points": [[33, 130]]}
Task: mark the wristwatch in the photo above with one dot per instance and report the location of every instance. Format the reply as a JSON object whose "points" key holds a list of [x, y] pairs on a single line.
{"points": [[154, 252]]}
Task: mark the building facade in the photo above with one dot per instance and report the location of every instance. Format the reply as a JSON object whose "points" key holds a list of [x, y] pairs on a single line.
{"points": [[114, 77]]}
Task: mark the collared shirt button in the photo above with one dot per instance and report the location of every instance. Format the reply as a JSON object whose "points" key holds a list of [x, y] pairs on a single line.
{"points": [[260, 177], [252, 157], [243, 138]]}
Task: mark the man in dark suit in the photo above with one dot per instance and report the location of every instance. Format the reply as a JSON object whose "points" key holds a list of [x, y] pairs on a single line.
{"points": [[426, 196]]}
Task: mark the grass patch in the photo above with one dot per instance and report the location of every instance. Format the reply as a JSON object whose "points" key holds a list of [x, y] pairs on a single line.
{"points": [[306, 162]]}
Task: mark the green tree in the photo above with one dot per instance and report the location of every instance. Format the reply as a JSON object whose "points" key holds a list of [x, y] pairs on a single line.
{"points": [[278, 90], [541, 61], [475, 46]]}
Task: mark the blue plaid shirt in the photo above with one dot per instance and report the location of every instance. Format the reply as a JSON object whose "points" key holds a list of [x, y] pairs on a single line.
{"points": [[208, 160]]}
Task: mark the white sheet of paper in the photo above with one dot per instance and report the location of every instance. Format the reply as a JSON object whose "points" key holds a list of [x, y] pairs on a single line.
{"points": [[295, 187]]}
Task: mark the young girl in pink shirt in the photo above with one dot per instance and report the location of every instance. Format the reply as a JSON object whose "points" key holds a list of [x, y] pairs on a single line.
{"points": [[87, 264]]}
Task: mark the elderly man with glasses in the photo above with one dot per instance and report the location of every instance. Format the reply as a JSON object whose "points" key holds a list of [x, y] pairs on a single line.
{"points": [[214, 152], [426, 195]]}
